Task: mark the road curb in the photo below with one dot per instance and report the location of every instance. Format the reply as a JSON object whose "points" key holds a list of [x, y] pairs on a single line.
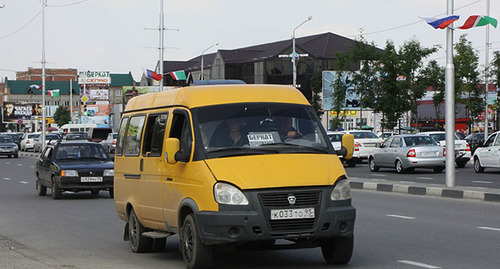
{"points": [[488, 195]]}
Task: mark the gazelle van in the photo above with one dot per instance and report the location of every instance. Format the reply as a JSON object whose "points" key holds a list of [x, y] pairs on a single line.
{"points": [[231, 166]]}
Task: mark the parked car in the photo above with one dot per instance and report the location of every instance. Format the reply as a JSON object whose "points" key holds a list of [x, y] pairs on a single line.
{"points": [[407, 152], [488, 154], [475, 140], [49, 139], [98, 134], [462, 148], [74, 136], [364, 143], [385, 135], [74, 166], [16, 137], [28, 141], [8, 147], [109, 143], [336, 139]]}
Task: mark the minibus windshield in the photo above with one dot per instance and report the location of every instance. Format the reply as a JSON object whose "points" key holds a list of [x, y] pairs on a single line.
{"points": [[260, 128]]}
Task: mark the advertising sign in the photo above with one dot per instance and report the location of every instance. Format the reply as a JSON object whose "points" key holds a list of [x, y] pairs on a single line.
{"points": [[94, 77], [98, 94], [12, 112], [352, 99]]}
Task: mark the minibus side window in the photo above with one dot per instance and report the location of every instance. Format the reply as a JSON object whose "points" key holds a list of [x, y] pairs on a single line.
{"points": [[181, 129], [119, 140], [154, 135], [133, 136]]}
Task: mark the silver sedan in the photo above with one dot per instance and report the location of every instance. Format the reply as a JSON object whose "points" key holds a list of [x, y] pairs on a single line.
{"points": [[407, 152]]}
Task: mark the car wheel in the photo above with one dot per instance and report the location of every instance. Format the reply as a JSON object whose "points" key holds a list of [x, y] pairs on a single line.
{"points": [[138, 243], [56, 191], [16, 155], [40, 189], [352, 163], [399, 167], [461, 164], [111, 192], [438, 169], [338, 250], [372, 165], [477, 166], [94, 192], [194, 252]]}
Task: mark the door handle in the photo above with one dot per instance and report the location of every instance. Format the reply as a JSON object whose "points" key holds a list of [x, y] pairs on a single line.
{"points": [[133, 176], [168, 179], [141, 165]]}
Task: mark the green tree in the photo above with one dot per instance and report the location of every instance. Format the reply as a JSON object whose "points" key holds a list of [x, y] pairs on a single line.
{"points": [[316, 88], [411, 56], [433, 76], [494, 72], [62, 116], [467, 88]]}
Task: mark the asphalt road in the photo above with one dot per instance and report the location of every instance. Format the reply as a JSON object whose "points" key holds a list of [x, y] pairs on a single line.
{"points": [[392, 231]]}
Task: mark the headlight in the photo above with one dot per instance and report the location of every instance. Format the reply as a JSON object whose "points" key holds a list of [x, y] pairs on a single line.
{"points": [[229, 195], [69, 173], [342, 191], [109, 173], [16, 147]]}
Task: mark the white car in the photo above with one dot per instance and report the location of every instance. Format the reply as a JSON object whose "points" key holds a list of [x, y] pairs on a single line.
{"points": [[52, 138], [364, 143], [336, 140], [109, 143], [28, 141], [462, 148], [488, 154]]}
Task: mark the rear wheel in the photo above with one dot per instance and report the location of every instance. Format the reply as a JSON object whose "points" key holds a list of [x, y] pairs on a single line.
{"points": [[40, 189], [461, 164], [372, 165], [399, 167], [477, 166], [138, 243], [111, 192], [352, 162], [338, 250], [194, 252], [438, 169]]}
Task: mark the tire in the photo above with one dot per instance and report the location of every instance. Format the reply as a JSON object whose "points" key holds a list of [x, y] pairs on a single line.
{"points": [[194, 252], [16, 155], [399, 167], [372, 165], [352, 163], [159, 244], [56, 191], [438, 169], [94, 192], [138, 243], [477, 166], [111, 192], [338, 251], [461, 164], [40, 189]]}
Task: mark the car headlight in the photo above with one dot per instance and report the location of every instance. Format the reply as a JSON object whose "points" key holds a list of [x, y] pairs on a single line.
{"points": [[229, 195], [16, 147], [342, 191], [69, 173], [109, 173]]}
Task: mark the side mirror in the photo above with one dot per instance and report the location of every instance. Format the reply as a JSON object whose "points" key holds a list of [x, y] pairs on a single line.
{"points": [[348, 144], [172, 146]]}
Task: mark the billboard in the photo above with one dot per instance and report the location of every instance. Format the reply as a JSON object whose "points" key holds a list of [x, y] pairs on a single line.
{"points": [[353, 97], [12, 112], [94, 77]]}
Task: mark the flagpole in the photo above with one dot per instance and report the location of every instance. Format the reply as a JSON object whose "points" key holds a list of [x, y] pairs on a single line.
{"points": [[44, 3], [162, 45], [486, 67], [450, 103], [71, 100]]}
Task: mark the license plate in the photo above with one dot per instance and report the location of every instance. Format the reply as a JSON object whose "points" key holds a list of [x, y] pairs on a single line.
{"points": [[296, 213], [91, 179], [429, 154]]}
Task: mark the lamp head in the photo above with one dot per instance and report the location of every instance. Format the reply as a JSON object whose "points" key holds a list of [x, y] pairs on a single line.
{"points": [[309, 18]]}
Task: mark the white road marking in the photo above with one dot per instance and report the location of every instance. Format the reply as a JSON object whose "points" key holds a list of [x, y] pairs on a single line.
{"points": [[23, 182], [399, 216], [32, 166], [419, 264], [482, 182], [6, 178], [489, 228], [379, 175], [428, 178], [19, 164], [7, 163]]}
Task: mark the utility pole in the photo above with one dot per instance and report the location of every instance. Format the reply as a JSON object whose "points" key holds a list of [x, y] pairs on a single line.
{"points": [[44, 4], [486, 67], [450, 103]]}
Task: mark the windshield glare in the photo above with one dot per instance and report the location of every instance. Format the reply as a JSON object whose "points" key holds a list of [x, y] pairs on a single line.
{"points": [[80, 152], [260, 126]]}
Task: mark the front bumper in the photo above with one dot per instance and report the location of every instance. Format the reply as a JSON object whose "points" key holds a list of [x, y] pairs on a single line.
{"points": [[76, 184], [244, 224], [8, 152]]}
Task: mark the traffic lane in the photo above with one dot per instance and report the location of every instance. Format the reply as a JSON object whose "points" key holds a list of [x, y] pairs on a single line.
{"points": [[401, 231], [463, 176], [20, 170]]}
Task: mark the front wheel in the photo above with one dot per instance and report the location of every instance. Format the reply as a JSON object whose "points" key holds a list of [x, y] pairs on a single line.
{"points": [[338, 250], [352, 162], [372, 165], [477, 166], [194, 252], [40, 189], [138, 243], [56, 191]]}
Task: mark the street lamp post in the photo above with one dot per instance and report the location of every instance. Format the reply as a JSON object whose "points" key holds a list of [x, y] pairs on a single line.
{"points": [[202, 53], [44, 4], [294, 54]]}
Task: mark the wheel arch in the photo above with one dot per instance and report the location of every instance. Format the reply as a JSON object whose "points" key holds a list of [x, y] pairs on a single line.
{"points": [[186, 207]]}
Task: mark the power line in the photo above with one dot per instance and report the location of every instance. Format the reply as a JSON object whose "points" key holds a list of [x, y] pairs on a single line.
{"points": [[71, 4]]}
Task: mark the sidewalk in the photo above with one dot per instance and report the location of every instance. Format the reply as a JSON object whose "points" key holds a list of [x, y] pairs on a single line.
{"points": [[437, 190]]}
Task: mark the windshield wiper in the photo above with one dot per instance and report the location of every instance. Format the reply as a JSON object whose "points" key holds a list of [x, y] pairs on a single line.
{"points": [[296, 146], [243, 151]]}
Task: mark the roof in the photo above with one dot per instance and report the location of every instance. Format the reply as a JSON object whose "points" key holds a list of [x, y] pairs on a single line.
{"points": [[320, 46], [196, 96], [119, 80], [23, 86]]}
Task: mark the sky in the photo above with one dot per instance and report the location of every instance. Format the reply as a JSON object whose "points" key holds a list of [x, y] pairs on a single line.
{"points": [[122, 36]]}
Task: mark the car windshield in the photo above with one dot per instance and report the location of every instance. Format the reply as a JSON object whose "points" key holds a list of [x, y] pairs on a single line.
{"points": [[441, 137], [51, 137], [75, 137], [260, 128], [364, 135], [419, 141], [33, 135], [5, 139], [80, 152], [335, 137]]}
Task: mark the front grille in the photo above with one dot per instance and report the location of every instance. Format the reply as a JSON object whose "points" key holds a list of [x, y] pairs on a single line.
{"points": [[279, 200], [90, 173]]}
